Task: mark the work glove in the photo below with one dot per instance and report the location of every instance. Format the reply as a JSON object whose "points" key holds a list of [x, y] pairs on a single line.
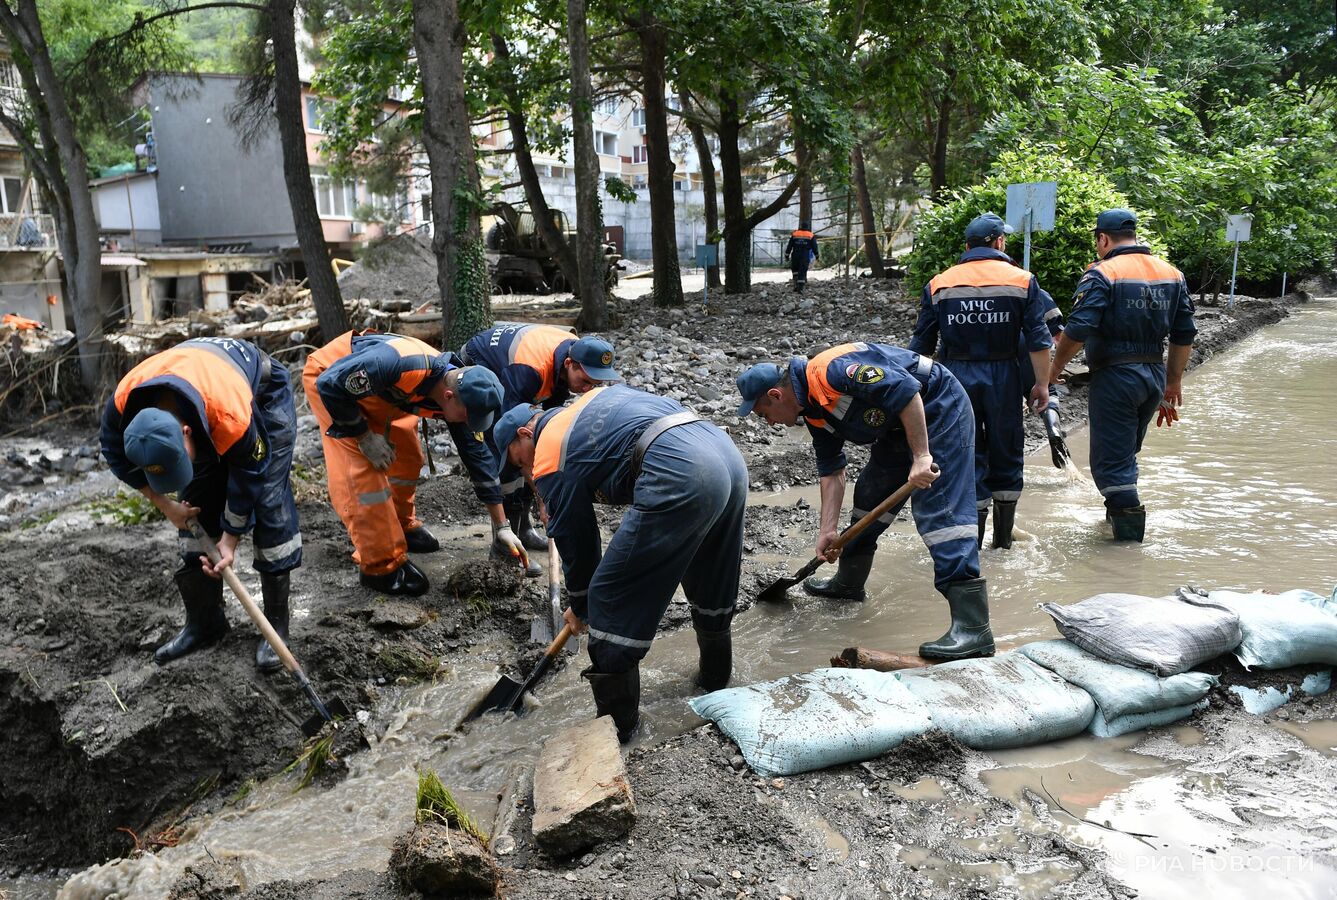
{"points": [[1166, 415], [377, 449], [505, 543]]}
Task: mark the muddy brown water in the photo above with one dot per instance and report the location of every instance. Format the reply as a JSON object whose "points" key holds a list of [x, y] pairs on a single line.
{"points": [[1240, 495]]}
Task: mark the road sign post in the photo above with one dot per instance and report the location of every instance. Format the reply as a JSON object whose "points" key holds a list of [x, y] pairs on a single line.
{"points": [[1030, 207], [1237, 230]]}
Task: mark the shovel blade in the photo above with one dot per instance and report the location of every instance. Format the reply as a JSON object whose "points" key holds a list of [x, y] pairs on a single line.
{"points": [[503, 697], [777, 591], [337, 709]]}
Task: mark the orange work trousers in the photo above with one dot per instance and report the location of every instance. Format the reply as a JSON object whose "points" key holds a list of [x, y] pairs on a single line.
{"points": [[376, 507]]}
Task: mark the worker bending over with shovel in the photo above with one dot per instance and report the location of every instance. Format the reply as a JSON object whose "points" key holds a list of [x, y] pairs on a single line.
{"points": [[536, 364], [687, 486], [915, 414], [368, 391], [212, 421]]}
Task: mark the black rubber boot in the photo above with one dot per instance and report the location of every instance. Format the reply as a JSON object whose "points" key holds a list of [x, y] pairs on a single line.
{"points": [[983, 514], [970, 634], [847, 584], [274, 587], [420, 540], [1004, 517], [206, 623], [524, 529], [408, 580], [716, 648], [618, 696], [1129, 524], [533, 570]]}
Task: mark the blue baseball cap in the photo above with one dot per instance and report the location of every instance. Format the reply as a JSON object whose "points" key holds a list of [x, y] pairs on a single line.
{"points": [[595, 356], [480, 392], [755, 382], [987, 227], [1117, 220], [154, 443], [511, 422]]}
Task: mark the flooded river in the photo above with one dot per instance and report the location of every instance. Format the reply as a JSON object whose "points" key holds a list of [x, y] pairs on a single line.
{"points": [[1240, 494]]}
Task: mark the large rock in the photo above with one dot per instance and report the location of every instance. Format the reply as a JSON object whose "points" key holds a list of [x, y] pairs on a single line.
{"points": [[581, 793], [442, 862]]}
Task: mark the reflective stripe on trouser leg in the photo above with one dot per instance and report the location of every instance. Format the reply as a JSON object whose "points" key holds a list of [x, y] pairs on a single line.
{"points": [[945, 513], [1122, 401], [277, 536], [404, 471], [361, 497], [680, 496]]}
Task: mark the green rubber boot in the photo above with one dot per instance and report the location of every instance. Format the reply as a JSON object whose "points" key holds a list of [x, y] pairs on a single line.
{"points": [[847, 584], [1004, 517], [1129, 524], [970, 634]]}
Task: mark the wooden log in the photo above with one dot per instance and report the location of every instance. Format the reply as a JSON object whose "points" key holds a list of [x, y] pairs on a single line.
{"points": [[878, 660]]}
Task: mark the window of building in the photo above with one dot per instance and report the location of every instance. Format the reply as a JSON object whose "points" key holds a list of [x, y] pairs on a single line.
{"points": [[605, 143], [608, 106], [11, 195], [335, 199], [316, 112], [638, 117], [680, 185], [639, 181], [640, 153]]}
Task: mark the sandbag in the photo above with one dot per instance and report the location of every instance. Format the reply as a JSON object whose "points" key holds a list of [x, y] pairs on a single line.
{"points": [[1006, 701], [801, 723], [1118, 690], [1162, 634], [1107, 728], [1295, 628]]}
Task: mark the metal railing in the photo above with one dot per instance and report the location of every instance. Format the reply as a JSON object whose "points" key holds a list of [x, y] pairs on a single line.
{"points": [[27, 231]]}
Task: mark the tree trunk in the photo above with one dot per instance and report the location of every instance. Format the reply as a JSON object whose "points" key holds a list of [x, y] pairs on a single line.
{"points": [[938, 163], [805, 182], [709, 191], [62, 158], [871, 248], [325, 294], [589, 209], [439, 39], [663, 222], [529, 177], [737, 236]]}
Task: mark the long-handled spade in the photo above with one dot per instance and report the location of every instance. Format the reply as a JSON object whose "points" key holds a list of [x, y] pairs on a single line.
{"points": [[508, 695], [542, 628], [776, 591], [324, 713]]}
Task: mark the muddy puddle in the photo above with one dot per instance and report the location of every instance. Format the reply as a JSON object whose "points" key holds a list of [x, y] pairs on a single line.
{"points": [[1239, 495]]}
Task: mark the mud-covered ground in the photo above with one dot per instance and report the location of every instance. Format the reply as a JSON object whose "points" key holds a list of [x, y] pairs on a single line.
{"points": [[106, 752]]}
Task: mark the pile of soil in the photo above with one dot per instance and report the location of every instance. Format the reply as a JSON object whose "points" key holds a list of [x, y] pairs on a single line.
{"points": [[401, 267]]}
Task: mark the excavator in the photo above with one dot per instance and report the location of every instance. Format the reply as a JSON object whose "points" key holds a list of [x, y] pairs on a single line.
{"points": [[519, 261]]}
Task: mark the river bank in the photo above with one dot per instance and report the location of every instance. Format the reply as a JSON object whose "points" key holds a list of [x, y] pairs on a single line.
{"points": [[94, 601]]}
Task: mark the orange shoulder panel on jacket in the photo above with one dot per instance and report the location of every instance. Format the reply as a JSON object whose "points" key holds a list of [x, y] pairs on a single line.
{"points": [[535, 348], [819, 389], [981, 273], [226, 393], [331, 353], [548, 449], [411, 379], [1137, 267], [802, 234]]}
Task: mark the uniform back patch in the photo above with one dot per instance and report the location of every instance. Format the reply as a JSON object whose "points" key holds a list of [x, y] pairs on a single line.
{"points": [[358, 382], [869, 375], [874, 418]]}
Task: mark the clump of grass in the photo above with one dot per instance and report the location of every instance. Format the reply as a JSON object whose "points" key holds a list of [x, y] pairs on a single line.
{"points": [[242, 793], [315, 759], [126, 508], [437, 804], [479, 605], [37, 522], [400, 660]]}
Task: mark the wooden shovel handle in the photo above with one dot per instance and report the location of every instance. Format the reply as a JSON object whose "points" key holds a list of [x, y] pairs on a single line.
{"points": [[244, 598], [878, 512]]}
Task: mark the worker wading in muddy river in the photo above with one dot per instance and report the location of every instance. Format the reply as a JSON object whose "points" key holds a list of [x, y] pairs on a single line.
{"points": [[915, 414], [212, 421], [687, 486], [536, 364], [368, 391]]}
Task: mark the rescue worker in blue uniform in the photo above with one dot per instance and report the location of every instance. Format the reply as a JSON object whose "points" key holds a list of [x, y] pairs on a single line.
{"points": [[1053, 318], [687, 486], [367, 392], [1125, 308], [212, 421], [539, 364], [917, 417], [800, 252], [979, 309]]}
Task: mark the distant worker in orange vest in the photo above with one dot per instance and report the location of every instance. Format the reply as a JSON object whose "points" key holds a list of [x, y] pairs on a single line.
{"points": [[368, 392], [212, 421], [801, 252]]}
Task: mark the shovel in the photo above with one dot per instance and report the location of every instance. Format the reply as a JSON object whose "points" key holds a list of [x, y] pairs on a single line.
{"points": [[508, 695], [776, 591], [336, 707], [542, 629]]}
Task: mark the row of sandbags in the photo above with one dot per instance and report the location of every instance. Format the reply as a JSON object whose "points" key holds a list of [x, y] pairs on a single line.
{"points": [[1124, 667]]}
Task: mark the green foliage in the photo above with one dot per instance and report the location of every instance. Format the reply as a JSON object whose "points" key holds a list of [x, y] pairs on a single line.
{"points": [[619, 190], [315, 759], [126, 508], [1058, 257], [436, 804]]}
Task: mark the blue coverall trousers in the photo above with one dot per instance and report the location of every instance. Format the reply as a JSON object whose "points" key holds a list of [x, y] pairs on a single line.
{"points": [[993, 387], [277, 535], [1123, 399], [944, 512], [685, 526]]}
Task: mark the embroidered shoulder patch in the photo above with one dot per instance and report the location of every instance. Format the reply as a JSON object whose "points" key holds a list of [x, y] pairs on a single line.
{"points": [[869, 375], [874, 418], [259, 452], [358, 383], [851, 369]]}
